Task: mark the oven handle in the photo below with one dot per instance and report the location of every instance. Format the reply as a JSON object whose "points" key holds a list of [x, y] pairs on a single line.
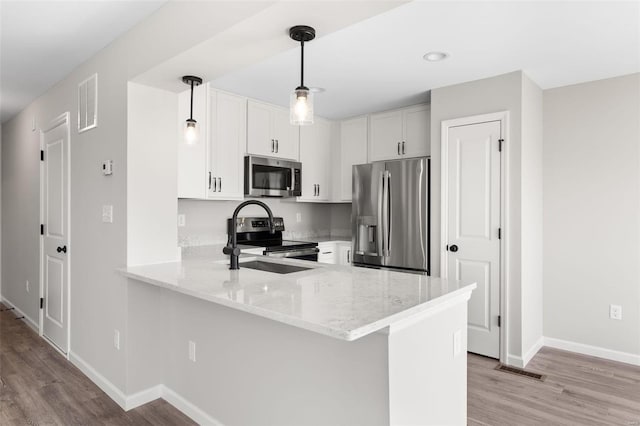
{"points": [[292, 253]]}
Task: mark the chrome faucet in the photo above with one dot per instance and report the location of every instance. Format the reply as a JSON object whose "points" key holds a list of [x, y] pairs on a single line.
{"points": [[232, 244]]}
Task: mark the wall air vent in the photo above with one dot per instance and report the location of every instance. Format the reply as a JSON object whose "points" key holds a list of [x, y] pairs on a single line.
{"points": [[88, 104]]}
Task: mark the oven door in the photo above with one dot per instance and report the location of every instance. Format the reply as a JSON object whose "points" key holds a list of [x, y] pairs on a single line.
{"points": [[301, 254], [272, 177]]}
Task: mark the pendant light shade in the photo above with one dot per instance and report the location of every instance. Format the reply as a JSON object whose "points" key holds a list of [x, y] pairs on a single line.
{"points": [[301, 101], [191, 128]]}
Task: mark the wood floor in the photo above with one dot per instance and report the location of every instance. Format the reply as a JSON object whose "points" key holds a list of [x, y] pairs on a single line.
{"points": [[577, 390], [39, 387]]}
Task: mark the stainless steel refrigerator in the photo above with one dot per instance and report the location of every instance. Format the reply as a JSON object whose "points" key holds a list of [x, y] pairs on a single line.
{"points": [[390, 214]]}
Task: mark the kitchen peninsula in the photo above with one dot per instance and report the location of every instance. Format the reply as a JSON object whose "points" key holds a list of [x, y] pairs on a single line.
{"points": [[326, 345]]}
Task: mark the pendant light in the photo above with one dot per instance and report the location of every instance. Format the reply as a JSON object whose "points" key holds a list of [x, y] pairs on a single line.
{"points": [[191, 131], [301, 103]]}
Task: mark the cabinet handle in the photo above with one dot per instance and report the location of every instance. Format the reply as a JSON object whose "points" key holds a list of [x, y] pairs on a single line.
{"points": [[398, 148], [209, 180], [215, 186], [219, 184], [348, 256], [318, 190], [277, 145], [273, 145], [402, 147]]}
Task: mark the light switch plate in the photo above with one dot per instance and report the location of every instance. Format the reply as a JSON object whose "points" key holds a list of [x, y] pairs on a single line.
{"points": [[182, 220], [107, 214]]}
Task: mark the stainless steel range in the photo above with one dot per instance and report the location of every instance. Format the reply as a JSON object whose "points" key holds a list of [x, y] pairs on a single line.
{"points": [[254, 231]]}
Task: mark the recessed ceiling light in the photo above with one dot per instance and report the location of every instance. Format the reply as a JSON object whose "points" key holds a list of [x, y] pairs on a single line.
{"points": [[435, 56], [317, 89]]}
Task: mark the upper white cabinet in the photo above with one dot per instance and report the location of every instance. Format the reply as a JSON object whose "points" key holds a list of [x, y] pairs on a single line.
{"points": [[227, 136], [269, 132], [399, 133], [353, 150], [315, 156], [212, 168], [192, 159]]}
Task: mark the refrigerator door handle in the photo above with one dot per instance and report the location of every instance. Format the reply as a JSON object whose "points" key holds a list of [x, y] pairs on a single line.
{"points": [[380, 224], [387, 213]]}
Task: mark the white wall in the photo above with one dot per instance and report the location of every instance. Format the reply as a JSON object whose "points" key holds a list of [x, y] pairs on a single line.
{"points": [[152, 175], [592, 213], [532, 214]]}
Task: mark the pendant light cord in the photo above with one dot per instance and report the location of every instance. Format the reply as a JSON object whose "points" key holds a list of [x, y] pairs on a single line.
{"points": [[191, 110], [302, 63]]}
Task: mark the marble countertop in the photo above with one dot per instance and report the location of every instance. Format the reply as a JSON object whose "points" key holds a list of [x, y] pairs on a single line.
{"points": [[343, 302]]}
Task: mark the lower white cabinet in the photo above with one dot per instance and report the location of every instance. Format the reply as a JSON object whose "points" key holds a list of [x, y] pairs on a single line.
{"points": [[344, 253], [335, 252]]}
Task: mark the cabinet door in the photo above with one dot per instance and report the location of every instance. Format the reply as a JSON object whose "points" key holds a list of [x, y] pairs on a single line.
{"points": [[286, 135], [417, 128], [315, 155], [345, 254], [259, 138], [228, 135], [353, 150], [385, 136], [192, 159]]}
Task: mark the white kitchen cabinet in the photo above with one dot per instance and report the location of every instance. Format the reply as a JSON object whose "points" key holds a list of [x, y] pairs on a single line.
{"points": [[213, 168], [344, 253], [353, 150], [399, 133], [192, 159], [315, 156], [269, 132], [227, 136], [328, 252]]}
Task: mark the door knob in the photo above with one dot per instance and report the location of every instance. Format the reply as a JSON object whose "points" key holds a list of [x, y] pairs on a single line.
{"points": [[453, 248], [62, 249]]}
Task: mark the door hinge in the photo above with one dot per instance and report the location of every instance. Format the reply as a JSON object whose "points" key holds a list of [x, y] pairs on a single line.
{"points": [[41, 229], [499, 233], [41, 302], [41, 155], [500, 142], [499, 320]]}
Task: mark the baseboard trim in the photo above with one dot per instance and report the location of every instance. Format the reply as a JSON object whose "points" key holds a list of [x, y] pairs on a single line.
{"points": [[187, 408], [143, 397], [30, 322], [596, 351], [107, 387], [515, 361], [533, 350]]}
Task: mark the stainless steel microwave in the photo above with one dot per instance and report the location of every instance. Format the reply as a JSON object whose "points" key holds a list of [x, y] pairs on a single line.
{"points": [[272, 177]]}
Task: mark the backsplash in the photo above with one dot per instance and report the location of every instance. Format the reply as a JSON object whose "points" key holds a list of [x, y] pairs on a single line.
{"points": [[206, 220]]}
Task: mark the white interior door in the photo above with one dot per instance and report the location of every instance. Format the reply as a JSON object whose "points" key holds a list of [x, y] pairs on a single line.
{"points": [[473, 226], [55, 239]]}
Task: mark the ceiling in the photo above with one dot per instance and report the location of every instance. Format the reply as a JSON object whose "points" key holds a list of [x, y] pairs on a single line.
{"points": [[367, 54], [43, 41], [377, 64]]}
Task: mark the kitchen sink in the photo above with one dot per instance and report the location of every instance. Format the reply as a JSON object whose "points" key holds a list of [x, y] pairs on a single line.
{"points": [[277, 268]]}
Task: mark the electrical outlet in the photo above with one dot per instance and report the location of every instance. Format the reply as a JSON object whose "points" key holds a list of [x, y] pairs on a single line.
{"points": [[192, 351], [298, 217], [615, 312], [116, 339], [182, 220], [107, 214], [457, 343], [27, 286]]}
